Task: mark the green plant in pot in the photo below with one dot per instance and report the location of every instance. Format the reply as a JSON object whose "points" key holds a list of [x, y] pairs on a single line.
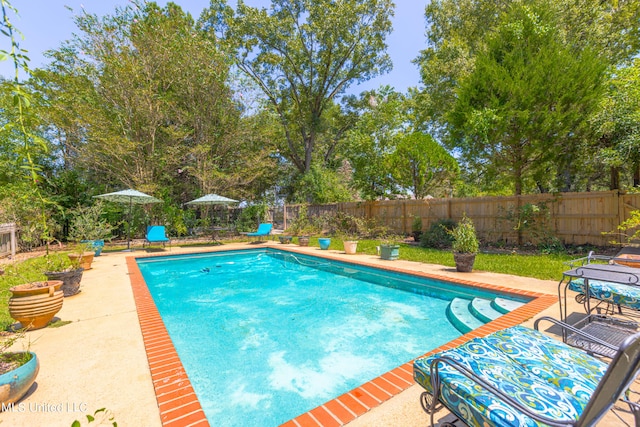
{"points": [[465, 244], [390, 248], [60, 266], [18, 370], [88, 225]]}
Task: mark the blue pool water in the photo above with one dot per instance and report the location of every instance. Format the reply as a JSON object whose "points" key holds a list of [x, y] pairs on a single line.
{"points": [[265, 336]]}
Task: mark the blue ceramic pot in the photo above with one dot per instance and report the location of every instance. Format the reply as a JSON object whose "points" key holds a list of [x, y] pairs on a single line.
{"points": [[95, 245], [17, 382], [324, 243]]}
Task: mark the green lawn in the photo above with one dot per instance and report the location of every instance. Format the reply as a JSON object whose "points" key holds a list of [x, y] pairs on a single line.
{"points": [[548, 267]]}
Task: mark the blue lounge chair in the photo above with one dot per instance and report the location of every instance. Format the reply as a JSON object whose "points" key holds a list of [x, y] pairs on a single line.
{"points": [[521, 377], [264, 229], [156, 234]]}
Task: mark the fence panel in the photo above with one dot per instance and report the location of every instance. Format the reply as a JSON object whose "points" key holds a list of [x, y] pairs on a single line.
{"points": [[574, 218]]}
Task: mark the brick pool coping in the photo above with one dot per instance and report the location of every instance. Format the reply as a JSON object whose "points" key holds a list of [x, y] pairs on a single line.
{"points": [[179, 405]]}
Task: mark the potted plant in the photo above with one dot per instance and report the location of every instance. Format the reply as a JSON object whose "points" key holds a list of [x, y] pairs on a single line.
{"points": [[350, 243], [465, 244], [18, 370], [416, 228], [285, 238], [66, 269], [389, 249], [324, 243], [34, 304], [89, 226], [82, 256]]}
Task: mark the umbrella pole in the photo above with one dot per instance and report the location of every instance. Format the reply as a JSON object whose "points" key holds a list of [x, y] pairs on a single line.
{"points": [[129, 227]]}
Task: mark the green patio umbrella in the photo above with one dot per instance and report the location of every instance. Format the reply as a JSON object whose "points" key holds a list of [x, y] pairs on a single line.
{"points": [[212, 199], [129, 197]]}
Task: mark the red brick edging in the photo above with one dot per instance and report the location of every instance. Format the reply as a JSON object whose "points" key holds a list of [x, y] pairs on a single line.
{"points": [[179, 405]]}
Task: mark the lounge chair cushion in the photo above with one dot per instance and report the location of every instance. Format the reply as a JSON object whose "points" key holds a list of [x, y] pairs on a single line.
{"points": [[263, 230], [545, 375], [614, 293]]}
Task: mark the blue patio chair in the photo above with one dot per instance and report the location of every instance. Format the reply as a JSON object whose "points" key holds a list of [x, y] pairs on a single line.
{"points": [[264, 229], [521, 377], [156, 234]]}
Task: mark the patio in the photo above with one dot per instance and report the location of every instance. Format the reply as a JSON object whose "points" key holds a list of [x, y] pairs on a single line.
{"points": [[99, 359]]}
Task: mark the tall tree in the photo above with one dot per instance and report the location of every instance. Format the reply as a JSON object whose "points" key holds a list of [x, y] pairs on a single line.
{"points": [[422, 165], [618, 123], [459, 30], [526, 99], [304, 54], [151, 106]]}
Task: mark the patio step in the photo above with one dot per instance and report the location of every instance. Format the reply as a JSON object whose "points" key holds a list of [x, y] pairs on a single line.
{"points": [[504, 305]]}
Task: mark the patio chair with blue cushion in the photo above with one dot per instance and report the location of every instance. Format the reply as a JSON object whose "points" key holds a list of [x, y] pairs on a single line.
{"points": [[156, 234], [522, 377], [264, 229]]}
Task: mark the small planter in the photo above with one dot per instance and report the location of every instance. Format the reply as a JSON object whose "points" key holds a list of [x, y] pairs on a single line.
{"points": [[389, 252], [70, 280], [17, 382], [324, 243], [95, 245], [464, 261], [284, 239], [84, 260], [35, 304], [303, 240], [350, 246]]}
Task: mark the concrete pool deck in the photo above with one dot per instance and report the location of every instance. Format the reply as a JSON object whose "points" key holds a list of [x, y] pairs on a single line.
{"points": [[99, 359]]}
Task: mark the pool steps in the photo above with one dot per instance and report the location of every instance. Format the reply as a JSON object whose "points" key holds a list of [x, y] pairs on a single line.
{"points": [[467, 315]]}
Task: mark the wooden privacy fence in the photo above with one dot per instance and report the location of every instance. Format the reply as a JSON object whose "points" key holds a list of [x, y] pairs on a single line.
{"points": [[574, 218]]}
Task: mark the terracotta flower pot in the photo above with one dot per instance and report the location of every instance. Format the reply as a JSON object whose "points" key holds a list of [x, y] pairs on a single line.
{"points": [[35, 304], [303, 240], [83, 260]]}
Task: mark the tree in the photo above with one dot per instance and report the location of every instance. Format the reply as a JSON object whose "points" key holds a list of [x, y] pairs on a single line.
{"points": [[422, 165], [525, 100], [151, 107], [459, 30], [371, 141], [618, 124], [303, 55]]}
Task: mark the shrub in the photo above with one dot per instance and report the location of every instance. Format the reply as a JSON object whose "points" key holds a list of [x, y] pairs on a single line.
{"points": [[438, 236], [464, 237]]}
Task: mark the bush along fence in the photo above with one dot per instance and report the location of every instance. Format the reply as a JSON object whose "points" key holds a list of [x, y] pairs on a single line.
{"points": [[571, 218]]}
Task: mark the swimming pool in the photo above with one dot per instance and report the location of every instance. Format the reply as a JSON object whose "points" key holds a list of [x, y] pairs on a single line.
{"points": [[217, 308]]}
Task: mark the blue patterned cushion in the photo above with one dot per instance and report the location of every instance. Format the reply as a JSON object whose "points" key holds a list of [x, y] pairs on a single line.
{"points": [[615, 293], [539, 372]]}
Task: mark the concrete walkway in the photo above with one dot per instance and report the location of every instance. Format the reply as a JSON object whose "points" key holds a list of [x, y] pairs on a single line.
{"points": [[99, 361]]}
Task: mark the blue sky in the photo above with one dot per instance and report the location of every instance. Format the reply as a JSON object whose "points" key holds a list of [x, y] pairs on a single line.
{"points": [[46, 23]]}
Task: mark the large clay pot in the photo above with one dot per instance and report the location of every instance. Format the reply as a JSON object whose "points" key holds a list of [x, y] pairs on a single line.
{"points": [[70, 280], [464, 261], [17, 382], [85, 259], [35, 304]]}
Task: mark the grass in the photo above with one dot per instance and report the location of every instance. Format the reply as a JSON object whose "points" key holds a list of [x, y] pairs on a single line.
{"points": [[538, 266], [545, 267]]}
